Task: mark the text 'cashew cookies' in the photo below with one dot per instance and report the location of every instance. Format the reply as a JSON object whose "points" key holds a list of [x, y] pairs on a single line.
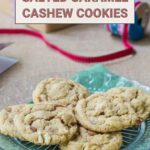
{"points": [[59, 91], [7, 126], [46, 124], [88, 140], [107, 112]]}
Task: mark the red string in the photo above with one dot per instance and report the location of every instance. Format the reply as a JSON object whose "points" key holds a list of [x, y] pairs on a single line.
{"points": [[127, 51], [137, 3], [85, 59]]}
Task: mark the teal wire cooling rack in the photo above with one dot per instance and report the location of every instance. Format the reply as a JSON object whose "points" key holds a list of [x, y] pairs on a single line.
{"points": [[97, 78], [131, 137]]}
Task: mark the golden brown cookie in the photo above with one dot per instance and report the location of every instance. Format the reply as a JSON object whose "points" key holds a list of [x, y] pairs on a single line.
{"points": [[126, 93], [46, 124], [131, 94], [113, 111], [7, 126], [59, 91], [88, 140]]}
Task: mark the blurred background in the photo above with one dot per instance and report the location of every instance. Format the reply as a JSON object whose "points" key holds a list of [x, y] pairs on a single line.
{"points": [[36, 61]]}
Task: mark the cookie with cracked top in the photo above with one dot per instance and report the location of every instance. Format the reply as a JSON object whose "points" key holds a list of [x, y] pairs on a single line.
{"points": [[88, 140], [59, 91], [46, 124], [114, 110], [7, 126]]}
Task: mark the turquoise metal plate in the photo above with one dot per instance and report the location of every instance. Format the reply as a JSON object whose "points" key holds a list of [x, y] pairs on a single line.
{"points": [[97, 78]]}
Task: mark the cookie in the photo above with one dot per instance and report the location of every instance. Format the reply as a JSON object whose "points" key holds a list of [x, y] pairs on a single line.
{"points": [[46, 124], [131, 94], [108, 112], [88, 140], [59, 91], [126, 93], [7, 126]]}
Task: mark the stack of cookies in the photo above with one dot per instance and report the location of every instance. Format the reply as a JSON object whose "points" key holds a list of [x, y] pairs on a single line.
{"points": [[65, 113]]}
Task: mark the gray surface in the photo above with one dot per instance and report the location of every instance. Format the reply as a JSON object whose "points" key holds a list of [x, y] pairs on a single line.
{"points": [[6, 62], [37, 62]]}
